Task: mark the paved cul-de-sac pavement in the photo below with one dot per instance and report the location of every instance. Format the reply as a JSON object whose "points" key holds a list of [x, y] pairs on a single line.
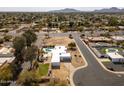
{"points": [[94, 74]]}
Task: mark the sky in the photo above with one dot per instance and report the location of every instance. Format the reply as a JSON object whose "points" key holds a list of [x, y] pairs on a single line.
{"points": [[42, 9], [47, 5]]}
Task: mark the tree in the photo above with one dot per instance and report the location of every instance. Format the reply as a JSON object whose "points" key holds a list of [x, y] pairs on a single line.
{"points": [[113, 21], [80, 29], [72, 45], [30, 37], [7, 37], [19, 44], [30, 53], [6, 74], [70, 36], [1, 40], [27, 78], [121, 23]]}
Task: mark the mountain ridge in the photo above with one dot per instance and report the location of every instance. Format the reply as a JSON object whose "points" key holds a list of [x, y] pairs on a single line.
{"points": [[107, 10], [110, 10], [65, 10]]}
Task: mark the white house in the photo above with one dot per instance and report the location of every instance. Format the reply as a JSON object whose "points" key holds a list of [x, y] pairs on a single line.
{"points": [[115, 57], [118, 38], [6, 55], [55, 61], [59, 54]]}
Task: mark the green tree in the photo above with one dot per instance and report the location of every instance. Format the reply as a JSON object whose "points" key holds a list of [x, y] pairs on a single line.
{"points": [[70, 36], [72, 45], [7, 37], [113, 21], [19, 44], [1, 40], [121, 23], [30, 37], [80, 29], [27, 78], [30, 53], [6, 74]]}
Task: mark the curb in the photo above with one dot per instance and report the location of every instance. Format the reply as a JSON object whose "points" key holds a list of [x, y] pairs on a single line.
{"points": [[114, 72], [85, 65]]}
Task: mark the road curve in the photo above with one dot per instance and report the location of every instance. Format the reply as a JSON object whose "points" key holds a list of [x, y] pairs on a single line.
{"points": [[94, 74]]}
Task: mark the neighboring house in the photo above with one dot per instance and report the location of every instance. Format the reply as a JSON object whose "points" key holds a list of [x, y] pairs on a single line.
{"points": [[121, 27], [6, 55], [50, 29], [99, 39], [115, 57], [117, 38], [96, 47], [59, 54]]}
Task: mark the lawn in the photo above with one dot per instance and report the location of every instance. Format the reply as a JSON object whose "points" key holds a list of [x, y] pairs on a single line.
{"points": [[103, 50], [43, 69], [106, 61]]}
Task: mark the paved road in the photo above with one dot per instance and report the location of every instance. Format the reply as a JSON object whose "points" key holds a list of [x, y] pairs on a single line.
{"points": [[94, 74]]}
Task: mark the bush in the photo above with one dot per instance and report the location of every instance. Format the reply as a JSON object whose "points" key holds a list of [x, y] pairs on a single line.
{"points": [[72, 45], [1, 40], [27, 78], [7, 37], [70, 36]]}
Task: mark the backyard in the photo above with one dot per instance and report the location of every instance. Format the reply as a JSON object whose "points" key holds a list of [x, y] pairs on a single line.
{"points": [[42, 70]]}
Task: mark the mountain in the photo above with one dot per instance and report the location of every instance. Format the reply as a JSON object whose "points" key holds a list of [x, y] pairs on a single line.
{"points": [[66, 10], [109, 10]]}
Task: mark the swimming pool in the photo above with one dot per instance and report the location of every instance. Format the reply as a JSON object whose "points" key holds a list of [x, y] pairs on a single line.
{"points": [[47, 49]]}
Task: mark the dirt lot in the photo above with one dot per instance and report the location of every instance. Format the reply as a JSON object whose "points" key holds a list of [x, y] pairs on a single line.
{"points": [[77, 60], [58, 41], [61, 74]]}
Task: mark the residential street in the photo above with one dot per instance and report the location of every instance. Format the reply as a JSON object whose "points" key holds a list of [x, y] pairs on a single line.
{"points": [[94, 74]]}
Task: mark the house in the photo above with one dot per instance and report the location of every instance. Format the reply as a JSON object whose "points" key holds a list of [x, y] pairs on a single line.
{"points": [[117, 38], [115, 57], [45, 29], [121, 27], [99, 39], [59, 54], [55, 61], [6, 55]]}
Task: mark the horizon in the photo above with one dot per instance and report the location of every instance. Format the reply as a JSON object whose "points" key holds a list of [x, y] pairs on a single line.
{"points": [[47, 9]]}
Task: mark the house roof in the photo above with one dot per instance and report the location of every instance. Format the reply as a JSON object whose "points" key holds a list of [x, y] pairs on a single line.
{"points": [[58, 52], [118, 38], [5, 50], [8, 60], [55, 58], [115, 55]]}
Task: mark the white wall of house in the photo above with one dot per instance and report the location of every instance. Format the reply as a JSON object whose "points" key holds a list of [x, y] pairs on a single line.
{"points": [[59, 55], [115, 57]]}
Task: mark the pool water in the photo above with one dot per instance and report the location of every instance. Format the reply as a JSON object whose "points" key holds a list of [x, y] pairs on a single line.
{"points": [[47, 49]]}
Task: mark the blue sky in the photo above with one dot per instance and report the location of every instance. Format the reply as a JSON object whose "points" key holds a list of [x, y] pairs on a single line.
{"points": [[48, 8]]}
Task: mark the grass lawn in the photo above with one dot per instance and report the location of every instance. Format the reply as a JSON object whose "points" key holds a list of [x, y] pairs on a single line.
{"points": [[103, 51], [106, 61], [43, 69]]}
